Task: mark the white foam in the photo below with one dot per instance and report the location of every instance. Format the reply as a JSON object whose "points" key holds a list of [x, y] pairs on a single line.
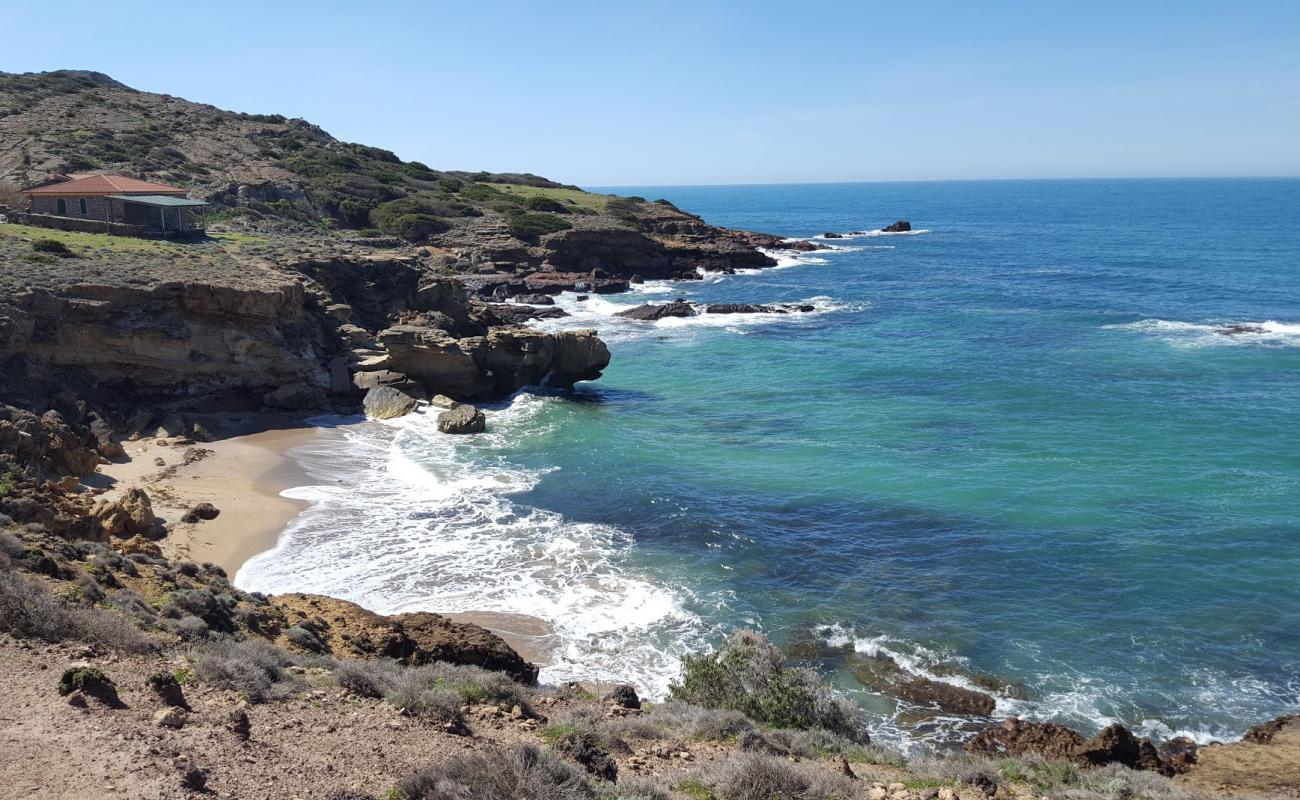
{"points": [[405, 518], [1206, 334], [871, 234]]}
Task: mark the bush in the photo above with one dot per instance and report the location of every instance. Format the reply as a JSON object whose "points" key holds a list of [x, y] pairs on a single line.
{"points": [[305, 639], [28, 609], [254, 667], [520, 773], [751, 776], [374, 678], [414, 227], [529, 226], [540, 203], [748, 674], [54, 247]]}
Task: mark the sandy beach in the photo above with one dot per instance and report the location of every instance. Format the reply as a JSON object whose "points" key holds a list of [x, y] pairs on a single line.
{"points": [[241, 476]]}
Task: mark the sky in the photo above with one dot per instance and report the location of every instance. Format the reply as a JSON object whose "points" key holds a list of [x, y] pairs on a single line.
{"points": [[673, 93]]}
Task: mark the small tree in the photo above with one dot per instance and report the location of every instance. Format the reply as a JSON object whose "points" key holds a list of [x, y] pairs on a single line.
{"points": [[11, 196]]}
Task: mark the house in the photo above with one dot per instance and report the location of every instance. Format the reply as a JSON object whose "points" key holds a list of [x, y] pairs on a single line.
{"points": [[107, 202]]}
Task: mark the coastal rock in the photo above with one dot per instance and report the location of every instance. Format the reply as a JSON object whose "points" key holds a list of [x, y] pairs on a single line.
{"points": [[510, 314], [442, 401], [884, 675], [535, 299], [1262, 764], [902, 226], [650, 312], [753, 308], [832, 235], [385, 402], [1115, 744], [505, 360], [438, 638], [1237, 329], [295, 397], [130, 515], [623, 696], [1179, 753], [46, 445], [349, 631], [462, 419], [1016, 737], [201, 512]]}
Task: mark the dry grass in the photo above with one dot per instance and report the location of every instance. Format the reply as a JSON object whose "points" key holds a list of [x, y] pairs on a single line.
{"points": [[27, 608], [520, 773]]}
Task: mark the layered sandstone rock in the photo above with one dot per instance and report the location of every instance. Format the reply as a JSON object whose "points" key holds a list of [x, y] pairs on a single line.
{"points": [[349, 631]]}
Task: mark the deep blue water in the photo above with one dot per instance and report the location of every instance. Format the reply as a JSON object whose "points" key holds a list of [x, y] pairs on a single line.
{"points": [[1014, 445]]}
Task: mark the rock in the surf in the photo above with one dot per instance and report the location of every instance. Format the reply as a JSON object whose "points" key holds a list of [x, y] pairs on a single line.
{"points": [[1234, 330], [462, 419], [651, 312], [754, 308], [832, 235], [535, 299], [902, 226], [1016, 737], [385, 402]]}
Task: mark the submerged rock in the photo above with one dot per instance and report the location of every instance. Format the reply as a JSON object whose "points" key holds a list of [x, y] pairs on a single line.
{"points": [[462, 419], [753, 308], [385, 402], [651, 312], [1236, 329], [884, 675]]}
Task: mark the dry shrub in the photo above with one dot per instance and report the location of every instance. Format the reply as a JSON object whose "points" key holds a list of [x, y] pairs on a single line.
{"points": [[519, 773], [753, 776], [28, 609], [254, 667]]}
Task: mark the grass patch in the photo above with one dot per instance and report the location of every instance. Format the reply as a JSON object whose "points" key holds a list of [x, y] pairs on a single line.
{"points": [[92, 241], [570, 198]]}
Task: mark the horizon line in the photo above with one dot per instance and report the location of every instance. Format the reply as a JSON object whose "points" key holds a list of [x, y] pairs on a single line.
{"points": [[591, 186]]}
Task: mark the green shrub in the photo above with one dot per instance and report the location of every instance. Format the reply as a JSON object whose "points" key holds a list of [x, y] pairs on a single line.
{"points": [[540, 203], [414, 227], [53, 246], [748, 674], [529, 226]]}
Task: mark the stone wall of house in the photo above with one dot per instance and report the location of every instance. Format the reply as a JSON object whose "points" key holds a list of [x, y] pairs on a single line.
{"points": [[97, 208], [77, 225]]}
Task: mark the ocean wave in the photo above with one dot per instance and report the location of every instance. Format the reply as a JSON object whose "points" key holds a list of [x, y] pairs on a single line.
{"points": [[405, 518], [1226, 333]]}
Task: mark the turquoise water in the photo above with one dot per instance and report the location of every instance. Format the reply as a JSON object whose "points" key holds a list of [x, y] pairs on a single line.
{"points": [[1014, 444]]}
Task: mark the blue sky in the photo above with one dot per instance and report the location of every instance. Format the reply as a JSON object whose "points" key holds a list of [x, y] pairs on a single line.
{"points": [[610, 93]]}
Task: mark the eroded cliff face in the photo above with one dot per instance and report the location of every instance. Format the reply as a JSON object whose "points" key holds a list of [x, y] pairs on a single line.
{"points": [[172, 340]]}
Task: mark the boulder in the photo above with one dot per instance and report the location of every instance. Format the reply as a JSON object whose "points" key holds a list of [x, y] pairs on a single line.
{"points": [[650, 312], [902, 226], [443, 401], [462, 419], [623, 696], [385, 402], [832, 235], [130, 515], [171, 717], [200, 513], [168, 689]]}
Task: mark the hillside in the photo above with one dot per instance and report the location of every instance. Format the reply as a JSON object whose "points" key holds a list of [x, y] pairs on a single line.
{"points": [[269, 169]]}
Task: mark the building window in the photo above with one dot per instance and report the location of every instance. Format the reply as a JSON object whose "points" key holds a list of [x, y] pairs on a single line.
{"points": [[83, 206], [62, 207]]}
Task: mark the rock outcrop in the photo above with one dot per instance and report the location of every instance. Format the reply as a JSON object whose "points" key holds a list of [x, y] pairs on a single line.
{"points": [[349, 631], [130, 515], [902, 226], [651, 312], [752, 308], [884, 675], [503, 361]]}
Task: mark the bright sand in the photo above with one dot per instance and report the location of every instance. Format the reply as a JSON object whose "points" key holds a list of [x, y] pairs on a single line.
{"points": [[242, 476]]}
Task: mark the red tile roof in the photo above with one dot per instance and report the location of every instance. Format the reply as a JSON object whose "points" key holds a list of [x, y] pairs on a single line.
{"points": [[105, 184]]}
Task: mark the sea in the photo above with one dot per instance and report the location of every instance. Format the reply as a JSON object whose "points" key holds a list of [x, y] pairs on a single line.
{"points": [[1021, 446]]}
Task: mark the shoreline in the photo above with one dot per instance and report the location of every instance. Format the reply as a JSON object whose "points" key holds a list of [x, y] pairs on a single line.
{"points": [[241, 476]]}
